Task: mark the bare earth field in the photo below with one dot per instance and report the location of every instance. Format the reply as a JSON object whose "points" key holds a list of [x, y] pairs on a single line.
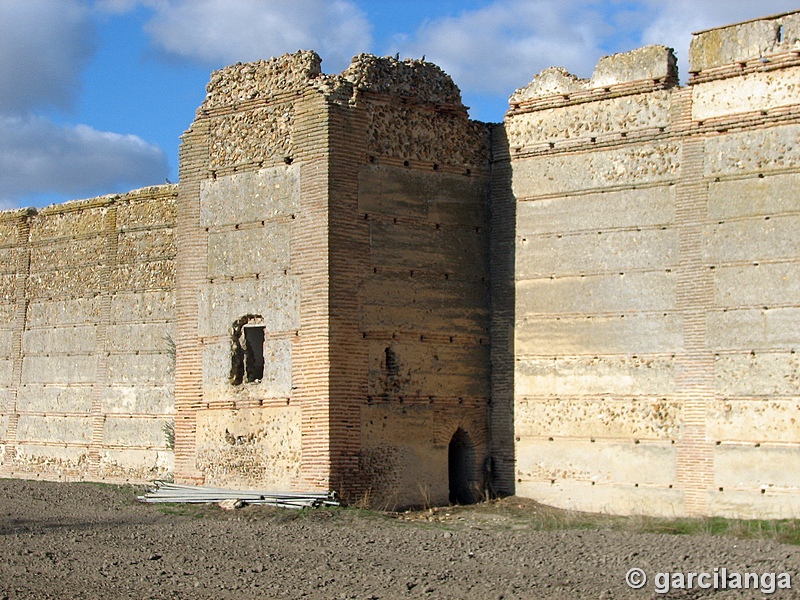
{"points": [[96, 541]]}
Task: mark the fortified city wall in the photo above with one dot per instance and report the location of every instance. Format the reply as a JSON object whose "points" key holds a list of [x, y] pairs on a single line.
{"points": [[656, 263], [355, 287]]}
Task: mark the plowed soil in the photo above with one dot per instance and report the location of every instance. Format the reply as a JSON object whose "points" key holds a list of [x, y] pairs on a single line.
{"points": [[89, 541]]}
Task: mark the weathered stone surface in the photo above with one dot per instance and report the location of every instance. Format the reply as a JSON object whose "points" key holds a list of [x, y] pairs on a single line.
{"points": [[151, 275], [753, 197], [54, 428], [735, 504], [753, 152], [145, 399], [250, 197], [750, 93], [601, 462], [743, 41], [6, 337], [614, 116], [55, 313], [261, 79], [754, 329], [424, 369], [408, 78], [739, 467], [563, 173], [632, 334], [766, 284], [135, 431], [67, 254], [54, 398], [772, 374], [741, 240], [277, 300], [612, 499], [598, 417], [144, 369], [63, 368], [142, 306], [550, 82], [249, 251], [250, 448], [6, 371], [594, 375], [405, 193], [459, 250], [633, 292], [140, 337], [590, 253], [52, 461], [647, 63], [65, 283], [136, 465], [149, 213], [755, 420], [146, 245], [61, 340], [246, 137], [57, 221], [7, 313], [430, 136]]}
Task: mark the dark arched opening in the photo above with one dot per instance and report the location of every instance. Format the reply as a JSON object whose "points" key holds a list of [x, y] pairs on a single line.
{"points": [[461, 469]]}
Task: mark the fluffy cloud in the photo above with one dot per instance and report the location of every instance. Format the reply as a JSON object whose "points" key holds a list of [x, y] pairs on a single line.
{"points": [[38, 156], [219, 32], [44, 46], [496, 48]]}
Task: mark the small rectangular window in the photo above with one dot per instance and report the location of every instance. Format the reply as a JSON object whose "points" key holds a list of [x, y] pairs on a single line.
{"points": [[254, 352]]}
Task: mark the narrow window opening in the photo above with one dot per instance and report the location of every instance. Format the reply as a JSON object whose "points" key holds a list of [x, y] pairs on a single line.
{"points": [[779, 33], [247, 350], [392, 367], [254, 352]]}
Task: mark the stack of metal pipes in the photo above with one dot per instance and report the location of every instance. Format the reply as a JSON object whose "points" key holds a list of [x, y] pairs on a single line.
{"points": [[176, 493]]}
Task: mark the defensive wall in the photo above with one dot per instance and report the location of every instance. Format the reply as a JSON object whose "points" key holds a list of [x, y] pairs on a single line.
{"points": [[356, 287]]}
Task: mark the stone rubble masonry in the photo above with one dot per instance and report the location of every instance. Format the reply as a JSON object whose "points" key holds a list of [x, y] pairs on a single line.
{"points": [[599, 294]]}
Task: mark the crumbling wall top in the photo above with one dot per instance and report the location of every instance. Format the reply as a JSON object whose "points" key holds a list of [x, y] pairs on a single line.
{"points": [[260, 79], [650, 63], [744, 41], [413, 78]]}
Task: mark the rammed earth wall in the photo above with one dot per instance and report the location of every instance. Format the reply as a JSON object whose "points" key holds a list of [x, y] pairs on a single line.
{"points": [[592, 304], [655, 316], [87, 330]]}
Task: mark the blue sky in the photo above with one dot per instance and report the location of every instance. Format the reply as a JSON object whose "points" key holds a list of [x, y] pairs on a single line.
{"points": [[94, 94]]}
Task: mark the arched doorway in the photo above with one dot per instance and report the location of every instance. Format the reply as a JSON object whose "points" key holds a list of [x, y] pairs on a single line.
{"points": [[461, 469]]}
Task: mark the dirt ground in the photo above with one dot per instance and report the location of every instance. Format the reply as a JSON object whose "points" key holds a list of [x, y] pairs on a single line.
{"points": [[96, 541]]}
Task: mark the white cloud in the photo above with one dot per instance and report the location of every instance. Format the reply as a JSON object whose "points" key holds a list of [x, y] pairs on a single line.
{"points": [[501, 46], [40, 157], [219, 32], [44, 46]]}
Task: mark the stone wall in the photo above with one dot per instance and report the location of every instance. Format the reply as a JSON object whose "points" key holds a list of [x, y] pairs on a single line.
{"points": [[87, 338], [654, 325]]}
